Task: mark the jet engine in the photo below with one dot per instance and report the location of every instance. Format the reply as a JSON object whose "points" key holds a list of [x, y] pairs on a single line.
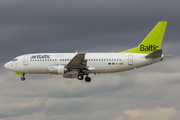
{"points": [[57, 69]]}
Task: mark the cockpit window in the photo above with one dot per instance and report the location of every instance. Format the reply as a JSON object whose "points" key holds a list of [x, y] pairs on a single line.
{"points": [[14, 59]]}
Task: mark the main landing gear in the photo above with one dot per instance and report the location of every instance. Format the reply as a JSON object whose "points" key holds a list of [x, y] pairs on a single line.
{"points": [[81, 77], [23, 78]]}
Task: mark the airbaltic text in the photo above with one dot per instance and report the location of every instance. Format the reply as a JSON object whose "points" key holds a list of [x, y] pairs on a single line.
{"points": [[40, 57], [148, 48]]}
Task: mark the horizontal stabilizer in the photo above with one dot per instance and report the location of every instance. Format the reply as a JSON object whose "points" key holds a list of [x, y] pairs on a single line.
{"points": [[169, 55], [154, 54]]}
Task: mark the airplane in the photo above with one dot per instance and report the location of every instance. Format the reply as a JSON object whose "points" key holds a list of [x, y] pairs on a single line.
{"points": [[77, 65]]}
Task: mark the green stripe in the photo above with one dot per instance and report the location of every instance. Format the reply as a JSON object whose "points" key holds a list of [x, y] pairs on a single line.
{"points": [[18, 73]]}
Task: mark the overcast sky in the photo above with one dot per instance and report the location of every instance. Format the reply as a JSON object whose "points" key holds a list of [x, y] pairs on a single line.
{"points": [[33, 26]]}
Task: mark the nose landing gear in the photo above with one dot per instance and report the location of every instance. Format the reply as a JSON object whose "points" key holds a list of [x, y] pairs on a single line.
{"points": [[23, 78]]}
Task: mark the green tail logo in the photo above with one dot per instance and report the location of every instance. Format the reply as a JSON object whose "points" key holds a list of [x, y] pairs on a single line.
{"points": [[152, 41]]}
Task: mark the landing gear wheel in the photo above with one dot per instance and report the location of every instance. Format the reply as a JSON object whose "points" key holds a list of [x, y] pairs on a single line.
{"points": [[88, 79], [23, 78], [80, 77]]}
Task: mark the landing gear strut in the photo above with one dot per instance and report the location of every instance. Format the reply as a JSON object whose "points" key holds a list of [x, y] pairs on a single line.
{"points": [[23, 78]]}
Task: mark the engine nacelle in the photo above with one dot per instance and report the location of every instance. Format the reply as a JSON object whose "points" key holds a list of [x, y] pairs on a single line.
{"points": [[56, 69]]}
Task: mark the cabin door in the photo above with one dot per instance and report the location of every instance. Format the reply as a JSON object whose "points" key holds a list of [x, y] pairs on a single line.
{"points": [[25, 61], [130, 60]]}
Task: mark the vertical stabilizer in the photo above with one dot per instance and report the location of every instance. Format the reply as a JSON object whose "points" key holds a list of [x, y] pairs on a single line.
{"points": [[152, 41]]}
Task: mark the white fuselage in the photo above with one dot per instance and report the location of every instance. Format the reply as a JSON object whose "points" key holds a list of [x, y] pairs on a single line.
{"points": [[78, 65], [96, 62]]}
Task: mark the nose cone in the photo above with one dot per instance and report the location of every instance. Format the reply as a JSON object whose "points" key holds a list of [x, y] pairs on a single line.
{"points": [[7, 66]]}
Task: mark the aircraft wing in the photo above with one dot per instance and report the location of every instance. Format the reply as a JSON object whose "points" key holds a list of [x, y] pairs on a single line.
{"points": [[77, 62]]}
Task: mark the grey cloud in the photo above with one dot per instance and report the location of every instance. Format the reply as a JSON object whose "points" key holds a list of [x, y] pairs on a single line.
{"points": [[42, 95]]}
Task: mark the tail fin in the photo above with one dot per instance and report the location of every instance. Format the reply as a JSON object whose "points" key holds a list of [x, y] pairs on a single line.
{"points": [[152, 41]]}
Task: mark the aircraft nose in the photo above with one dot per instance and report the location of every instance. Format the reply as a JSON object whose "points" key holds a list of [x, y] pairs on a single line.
{"points": [[7, 65]]}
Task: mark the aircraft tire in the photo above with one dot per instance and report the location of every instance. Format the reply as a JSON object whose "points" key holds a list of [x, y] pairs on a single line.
{"points": [[80, 77], [23, 78], [88, 79]]}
